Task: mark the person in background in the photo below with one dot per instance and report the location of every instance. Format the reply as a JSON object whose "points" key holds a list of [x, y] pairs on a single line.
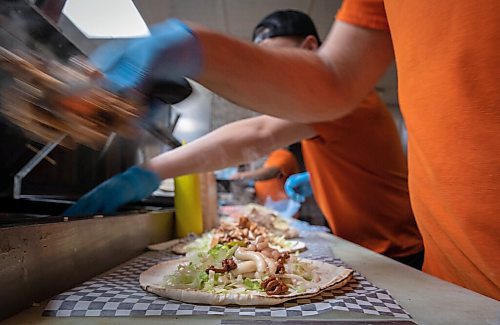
{"points": [[271, 177], [357, 165]]}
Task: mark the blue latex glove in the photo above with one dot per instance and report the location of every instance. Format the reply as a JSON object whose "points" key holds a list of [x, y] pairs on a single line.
{"points": [[170, 53], [133, 185], [298, 187]]}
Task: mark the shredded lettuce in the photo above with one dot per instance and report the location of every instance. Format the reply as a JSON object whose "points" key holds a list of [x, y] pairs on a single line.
{"points": [[193, 275], [187, 276], [221, 252], [298, 289], [200, 245], [252, 284], [305, 270], [284, 243]]}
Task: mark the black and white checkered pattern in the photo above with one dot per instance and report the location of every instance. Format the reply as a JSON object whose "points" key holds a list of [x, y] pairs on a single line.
{"points": [[119, 294]]}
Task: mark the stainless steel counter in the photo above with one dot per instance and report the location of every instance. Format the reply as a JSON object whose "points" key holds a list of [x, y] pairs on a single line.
{"points": [[40, 260], [428, 299]]}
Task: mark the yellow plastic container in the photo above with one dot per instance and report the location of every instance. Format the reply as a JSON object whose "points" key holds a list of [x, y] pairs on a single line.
{"points": [[188, 209]]}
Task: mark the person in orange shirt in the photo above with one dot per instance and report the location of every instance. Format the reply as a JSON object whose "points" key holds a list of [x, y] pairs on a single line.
{"points": [[271, 177], [448, 66], [363, 194]]}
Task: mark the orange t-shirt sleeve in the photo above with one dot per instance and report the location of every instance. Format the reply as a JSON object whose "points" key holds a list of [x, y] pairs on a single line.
{"points": [[364, 13], [284, 160]]}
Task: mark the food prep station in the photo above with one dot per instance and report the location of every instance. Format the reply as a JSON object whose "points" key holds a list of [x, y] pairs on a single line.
{"points": [[427, 299], [43, 254]]}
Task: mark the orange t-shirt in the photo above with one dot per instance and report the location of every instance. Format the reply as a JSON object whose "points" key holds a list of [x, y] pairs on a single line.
{"points": [[359, 179], [274, 188], [448, 62]]}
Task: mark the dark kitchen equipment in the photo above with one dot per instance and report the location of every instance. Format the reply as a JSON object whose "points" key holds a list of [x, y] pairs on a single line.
{"points": [[41, 252], [31, 169]]}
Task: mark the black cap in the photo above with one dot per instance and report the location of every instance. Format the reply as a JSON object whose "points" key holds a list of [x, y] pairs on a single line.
{"points": [[285, 23]]}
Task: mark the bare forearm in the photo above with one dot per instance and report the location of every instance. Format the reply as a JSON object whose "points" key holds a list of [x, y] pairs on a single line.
{"points": [[267, 80], [298, 85], [260, 174], [229, 145]]}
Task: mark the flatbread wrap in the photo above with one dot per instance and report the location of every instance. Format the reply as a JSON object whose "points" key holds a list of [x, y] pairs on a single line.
{"points": [[236, 275]]}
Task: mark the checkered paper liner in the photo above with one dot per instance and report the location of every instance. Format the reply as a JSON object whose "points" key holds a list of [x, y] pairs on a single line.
{"points": [[118, 293]]}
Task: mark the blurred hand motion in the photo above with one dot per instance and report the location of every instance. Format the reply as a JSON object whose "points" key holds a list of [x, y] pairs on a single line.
{"points": [[298, 187], [48, 99], [170, 53], [89, 100], [132, 185]]}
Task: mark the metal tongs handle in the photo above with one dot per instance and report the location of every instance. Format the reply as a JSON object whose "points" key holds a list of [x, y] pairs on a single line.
{"points": [[40, 155]]}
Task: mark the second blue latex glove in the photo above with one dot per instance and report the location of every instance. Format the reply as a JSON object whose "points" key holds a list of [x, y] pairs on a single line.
{"points": [[133, 185], [170, 53], [298, 187]]}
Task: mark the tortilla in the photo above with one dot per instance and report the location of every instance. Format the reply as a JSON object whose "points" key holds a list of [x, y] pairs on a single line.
{"points": [[294, 246], [180, 248], [174, 244], [331, 277], [165, 245]]}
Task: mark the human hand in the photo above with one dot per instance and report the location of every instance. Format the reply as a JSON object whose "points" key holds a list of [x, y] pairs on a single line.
{"points": [[298, 187], [134, 184], [170, 53]]}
